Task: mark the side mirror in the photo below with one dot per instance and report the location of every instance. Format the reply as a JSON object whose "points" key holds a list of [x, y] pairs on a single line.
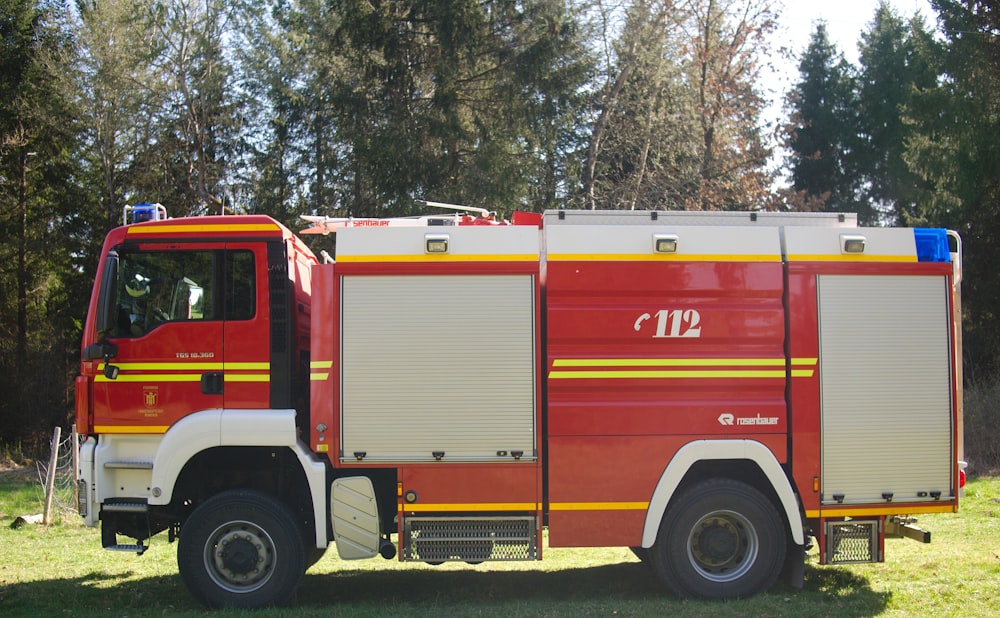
{"points": [[110, 371]]}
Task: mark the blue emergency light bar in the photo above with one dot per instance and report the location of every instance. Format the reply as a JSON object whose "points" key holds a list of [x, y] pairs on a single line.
{"points": [[932, 245], [138, 213]]}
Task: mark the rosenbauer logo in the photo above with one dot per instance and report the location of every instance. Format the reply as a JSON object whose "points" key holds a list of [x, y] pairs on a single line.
{"points": [[728, 419]]}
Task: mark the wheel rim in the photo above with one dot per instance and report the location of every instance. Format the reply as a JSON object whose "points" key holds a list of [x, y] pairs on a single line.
{"points": [[722, 546], [239, 556]]}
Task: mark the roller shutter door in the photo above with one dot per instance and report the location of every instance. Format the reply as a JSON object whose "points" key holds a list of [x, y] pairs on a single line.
{"points": [[438, 363], [886, 387]]}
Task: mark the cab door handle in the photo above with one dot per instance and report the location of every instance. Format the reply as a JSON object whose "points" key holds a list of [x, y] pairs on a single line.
{"points": [[211, 383]]}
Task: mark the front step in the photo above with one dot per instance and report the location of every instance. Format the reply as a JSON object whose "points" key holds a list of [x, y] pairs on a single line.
{"points": [[138, 548], [109, 538], [470, 539], [128, 465], [125, 507]]}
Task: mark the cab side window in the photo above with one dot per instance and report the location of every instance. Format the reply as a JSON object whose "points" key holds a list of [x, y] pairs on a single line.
{"points": [[241, 286], [156, 287]]}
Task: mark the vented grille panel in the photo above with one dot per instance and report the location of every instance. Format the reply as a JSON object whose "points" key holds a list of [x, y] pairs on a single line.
{"points": [[434, 539], [850, 542]]}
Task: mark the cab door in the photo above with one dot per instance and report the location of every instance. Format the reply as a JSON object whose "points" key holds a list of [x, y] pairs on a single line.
{"points": [[167, 337], [246, 329]]}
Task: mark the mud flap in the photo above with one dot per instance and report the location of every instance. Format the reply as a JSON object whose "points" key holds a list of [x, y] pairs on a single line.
{"points": [[355, 518], [793, 573]]}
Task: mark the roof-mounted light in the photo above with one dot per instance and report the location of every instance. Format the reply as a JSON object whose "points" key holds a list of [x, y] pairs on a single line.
{"points": [[436, 243], [665, 243], [852, 243]]}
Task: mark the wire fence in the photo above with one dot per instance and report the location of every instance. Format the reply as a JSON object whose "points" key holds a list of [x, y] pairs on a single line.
{"points": [[57, 477]]}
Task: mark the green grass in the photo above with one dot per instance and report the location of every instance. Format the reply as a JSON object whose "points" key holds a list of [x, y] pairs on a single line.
{"points": [[62, 571]]}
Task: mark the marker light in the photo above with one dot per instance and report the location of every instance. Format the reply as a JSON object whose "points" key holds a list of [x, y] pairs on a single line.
{"points": [[852, 244], [665, 243], [436, 243]]}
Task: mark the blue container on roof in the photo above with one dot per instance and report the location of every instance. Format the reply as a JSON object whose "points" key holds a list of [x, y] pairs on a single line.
{"points": [[932, 245]]}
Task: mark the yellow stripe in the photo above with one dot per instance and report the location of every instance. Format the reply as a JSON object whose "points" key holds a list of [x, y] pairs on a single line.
{"points": [[527, 506], [476, 506], [248, 366], [317, 377], [892, 509], [167, 366], [598, 506], [853, 257], [440, 257], [247, 377], [680, 362], [189, 366], [130, 429], [193, 227], [677, 362], [321, 364], [680, 373], [757, 372], [151, 377], [654, 257]]}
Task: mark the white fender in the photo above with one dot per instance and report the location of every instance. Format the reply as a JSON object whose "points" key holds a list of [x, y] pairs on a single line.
{"points": [[702, 450], [211, 428]]}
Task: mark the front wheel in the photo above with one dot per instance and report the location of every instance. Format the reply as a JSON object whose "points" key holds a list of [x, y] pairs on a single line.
{"points": [[720, 539], [242, 549]]}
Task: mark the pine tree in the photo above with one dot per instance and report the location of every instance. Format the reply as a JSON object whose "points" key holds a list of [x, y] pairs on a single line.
{"points": [[892, 70], [121, 97], [38, 200], [955, 150], [820, 133]]}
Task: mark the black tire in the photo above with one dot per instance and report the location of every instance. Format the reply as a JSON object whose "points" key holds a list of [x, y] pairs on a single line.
{"points": [[720, 539], [242, 549]]}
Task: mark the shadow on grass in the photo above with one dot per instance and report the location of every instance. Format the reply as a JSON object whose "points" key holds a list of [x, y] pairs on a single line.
{"points": [[626, 588], [96, 594], [629, 588], [623, 582]]}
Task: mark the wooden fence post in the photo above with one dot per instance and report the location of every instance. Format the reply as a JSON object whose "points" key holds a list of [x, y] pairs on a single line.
{"points": [[50, 478], [76, 466]]}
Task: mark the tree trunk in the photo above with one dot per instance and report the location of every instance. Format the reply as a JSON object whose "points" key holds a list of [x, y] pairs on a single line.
{"points": [[21, 346]]}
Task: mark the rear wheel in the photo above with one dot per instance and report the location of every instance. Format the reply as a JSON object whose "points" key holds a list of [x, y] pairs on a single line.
{"points": [[241, 549], [720, 539]]}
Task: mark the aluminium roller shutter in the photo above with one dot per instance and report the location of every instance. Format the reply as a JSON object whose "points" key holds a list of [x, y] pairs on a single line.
{"points": [[886, 387], [438, 363]]}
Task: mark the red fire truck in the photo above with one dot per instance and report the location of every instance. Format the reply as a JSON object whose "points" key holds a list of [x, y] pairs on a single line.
{"points": [[712, 390]]}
